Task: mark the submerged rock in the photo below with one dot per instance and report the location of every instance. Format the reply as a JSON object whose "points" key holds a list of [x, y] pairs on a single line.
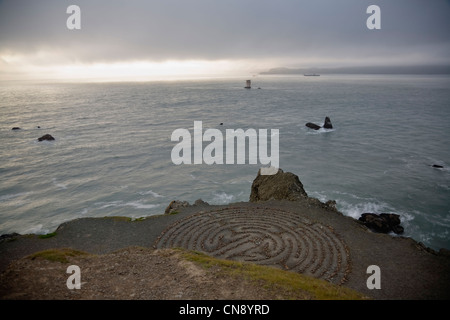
{"points": [[280, 186], [46, 137], [384, 222]]}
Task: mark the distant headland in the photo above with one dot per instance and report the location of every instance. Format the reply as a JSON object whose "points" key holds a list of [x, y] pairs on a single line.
{"points": [[416, 69]]}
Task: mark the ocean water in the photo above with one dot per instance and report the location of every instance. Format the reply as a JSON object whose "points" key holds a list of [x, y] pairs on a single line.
{"points": [[112, 154]]}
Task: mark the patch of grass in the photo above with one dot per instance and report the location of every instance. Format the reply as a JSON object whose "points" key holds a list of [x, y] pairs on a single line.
{"points": [[119, 218], [285, 284], [58, 255], [174, 212], [48, 235]]}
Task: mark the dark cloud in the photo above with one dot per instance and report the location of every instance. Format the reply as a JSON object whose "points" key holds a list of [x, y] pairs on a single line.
{"points": [[326, 30]]}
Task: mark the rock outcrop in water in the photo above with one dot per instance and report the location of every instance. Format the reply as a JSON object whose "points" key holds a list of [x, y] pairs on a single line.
{"points": [[46, 137], [15, 128], [384, 222], [326, 125], [313, 126]]}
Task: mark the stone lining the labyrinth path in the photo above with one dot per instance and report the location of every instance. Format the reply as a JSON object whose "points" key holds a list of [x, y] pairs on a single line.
{"points": [[263, 236]]}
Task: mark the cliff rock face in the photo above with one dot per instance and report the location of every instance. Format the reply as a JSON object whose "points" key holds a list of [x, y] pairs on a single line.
{"points": [[280, 186]]}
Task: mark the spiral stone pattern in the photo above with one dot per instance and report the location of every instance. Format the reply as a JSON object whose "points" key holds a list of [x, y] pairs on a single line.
{"points": [[263, 236]]}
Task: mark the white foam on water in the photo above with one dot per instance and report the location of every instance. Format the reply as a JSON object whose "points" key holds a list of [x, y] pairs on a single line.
{"points": [[7, 197], [121, 204], [139, 205], [319, 131], [37, 229], [59, 185], [355, 210], [222, 198], [150, 192]]}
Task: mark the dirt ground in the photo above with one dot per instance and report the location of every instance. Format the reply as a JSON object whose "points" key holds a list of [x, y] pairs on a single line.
{"points": [[132, 273]]}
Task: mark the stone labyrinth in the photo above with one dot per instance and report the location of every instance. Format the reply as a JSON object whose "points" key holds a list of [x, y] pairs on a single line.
{"points": [[264, 236]]}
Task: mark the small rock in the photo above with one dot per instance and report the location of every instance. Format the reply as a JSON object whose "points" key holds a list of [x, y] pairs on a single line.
{"points": [[46, 137], [174, 205], [331, 204], [200, 202], [437, 166], [15, 128]]}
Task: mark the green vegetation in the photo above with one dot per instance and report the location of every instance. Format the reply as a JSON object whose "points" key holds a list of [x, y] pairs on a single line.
{"points": [[285, 284], [118, 218], [48, 235], [58, 255]]}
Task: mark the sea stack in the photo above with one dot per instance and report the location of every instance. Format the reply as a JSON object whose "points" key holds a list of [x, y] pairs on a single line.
{"points": [[327, 124]]}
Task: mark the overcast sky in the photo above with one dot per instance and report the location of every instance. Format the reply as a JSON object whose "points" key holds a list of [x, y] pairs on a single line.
{"points": [[256, 34]]}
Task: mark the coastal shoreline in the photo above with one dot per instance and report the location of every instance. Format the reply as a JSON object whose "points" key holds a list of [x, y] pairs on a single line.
{"points": [[409, 270]]}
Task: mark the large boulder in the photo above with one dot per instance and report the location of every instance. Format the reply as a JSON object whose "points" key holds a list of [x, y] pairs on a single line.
{"points": [[280, 186], [384, 222]]}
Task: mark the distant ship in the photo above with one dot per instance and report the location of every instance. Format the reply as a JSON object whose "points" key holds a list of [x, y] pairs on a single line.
{"points": [[312, 75], [248, 84]]}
